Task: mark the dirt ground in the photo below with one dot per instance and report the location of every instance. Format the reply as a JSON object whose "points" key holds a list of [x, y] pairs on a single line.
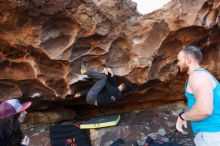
{"points": [[133, 128]]}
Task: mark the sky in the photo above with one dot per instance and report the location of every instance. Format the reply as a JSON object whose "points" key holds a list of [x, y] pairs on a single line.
{"points": [[147, 6]]}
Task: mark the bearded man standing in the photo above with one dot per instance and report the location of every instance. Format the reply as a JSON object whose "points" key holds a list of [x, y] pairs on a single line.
{"points": [[202, 90]]}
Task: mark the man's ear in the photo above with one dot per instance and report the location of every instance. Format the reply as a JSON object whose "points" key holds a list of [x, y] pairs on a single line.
{"points": [[188, 60]]}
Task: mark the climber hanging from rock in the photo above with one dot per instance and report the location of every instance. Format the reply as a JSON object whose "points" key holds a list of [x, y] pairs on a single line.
{"points": [[104, 91]]}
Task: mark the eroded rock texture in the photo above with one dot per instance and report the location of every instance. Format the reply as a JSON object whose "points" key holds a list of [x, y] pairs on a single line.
{"points": [[43, 42]]}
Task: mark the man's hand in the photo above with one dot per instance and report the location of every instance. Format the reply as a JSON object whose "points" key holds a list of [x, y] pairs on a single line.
{"points": [[77, 95], [107, 71], [180, 123], [113, 98], [25, 141]]}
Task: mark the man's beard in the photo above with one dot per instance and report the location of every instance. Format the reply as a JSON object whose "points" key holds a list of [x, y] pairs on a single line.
{"points": [[184, 68]]}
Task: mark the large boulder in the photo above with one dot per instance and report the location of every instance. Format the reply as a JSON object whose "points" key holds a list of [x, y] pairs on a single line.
{"points": [[42, 44]]}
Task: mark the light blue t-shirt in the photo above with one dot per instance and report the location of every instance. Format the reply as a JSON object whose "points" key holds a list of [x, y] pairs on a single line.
{"points": [[212, 122]]}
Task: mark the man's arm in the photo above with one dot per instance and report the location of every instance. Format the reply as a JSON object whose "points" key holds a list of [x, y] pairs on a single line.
{"points": [[201, 86]]}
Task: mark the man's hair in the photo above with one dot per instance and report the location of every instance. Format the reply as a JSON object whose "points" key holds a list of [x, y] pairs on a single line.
{"points": [[194, 51]]}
